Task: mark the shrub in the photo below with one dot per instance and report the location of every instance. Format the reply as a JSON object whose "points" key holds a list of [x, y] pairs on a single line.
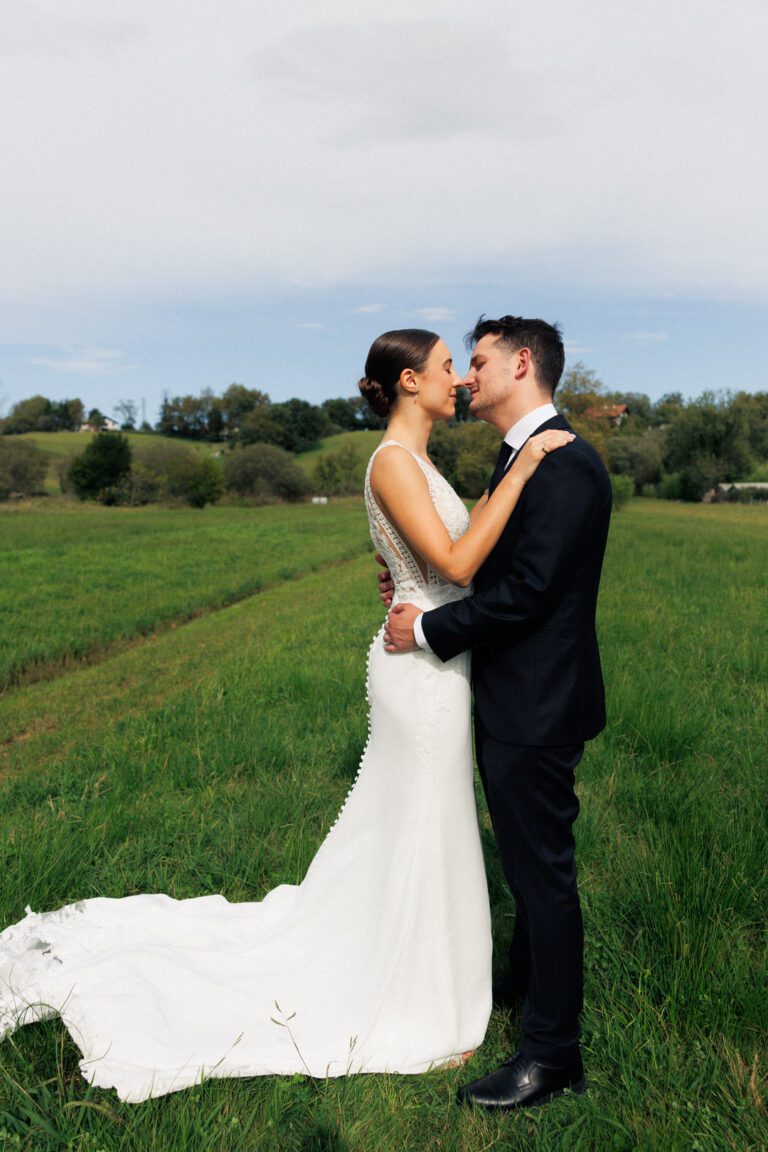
{"points": [[465, 454], [703, 472], [165, 471], [134, 490], [623, 491], [202, 483], [23, 468], [154, 459], [62, 471], [265, 472], [103, 464], [338, 473], [637, 456], [475, 459], [669, 487]]}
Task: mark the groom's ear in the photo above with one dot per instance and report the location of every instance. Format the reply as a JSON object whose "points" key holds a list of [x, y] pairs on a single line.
{"points": [[522, 362]]}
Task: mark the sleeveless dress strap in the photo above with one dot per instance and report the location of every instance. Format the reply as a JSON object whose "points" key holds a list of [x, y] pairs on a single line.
{"points": [[428, 469]]}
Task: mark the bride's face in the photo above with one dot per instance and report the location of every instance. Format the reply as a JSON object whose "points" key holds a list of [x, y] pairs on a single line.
{"points": [[437, 383]]}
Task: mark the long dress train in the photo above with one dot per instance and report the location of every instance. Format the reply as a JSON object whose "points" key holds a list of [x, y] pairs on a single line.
{"points": [[379, 961]]}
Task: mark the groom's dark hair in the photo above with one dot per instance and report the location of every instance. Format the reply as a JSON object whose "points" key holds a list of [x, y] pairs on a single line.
{"points": [[544, 340]]}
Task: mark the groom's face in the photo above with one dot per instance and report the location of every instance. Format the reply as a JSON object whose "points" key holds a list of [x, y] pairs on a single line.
{"points": [[490, 378]]}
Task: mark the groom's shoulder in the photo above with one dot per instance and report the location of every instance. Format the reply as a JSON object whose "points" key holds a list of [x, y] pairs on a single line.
{"points": [[589, 453], [577, 458], [578, 464]]}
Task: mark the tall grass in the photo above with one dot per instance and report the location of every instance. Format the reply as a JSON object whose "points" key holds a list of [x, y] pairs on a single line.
{"points": [[215, 758], [77, 578]]}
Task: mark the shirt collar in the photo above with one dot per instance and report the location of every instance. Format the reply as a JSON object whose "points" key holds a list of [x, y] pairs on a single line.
{"points": [[527, 425]]}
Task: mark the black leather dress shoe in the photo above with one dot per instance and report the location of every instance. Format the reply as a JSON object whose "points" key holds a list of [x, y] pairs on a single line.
{"points": [[523, 1083]]}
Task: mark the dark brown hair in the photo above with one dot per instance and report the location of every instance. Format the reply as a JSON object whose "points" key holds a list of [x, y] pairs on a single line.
{"points": [[544, 340], [389, 355]]}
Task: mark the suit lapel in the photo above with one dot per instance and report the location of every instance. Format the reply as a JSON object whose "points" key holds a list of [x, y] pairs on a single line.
{"points": [[505, 451]]}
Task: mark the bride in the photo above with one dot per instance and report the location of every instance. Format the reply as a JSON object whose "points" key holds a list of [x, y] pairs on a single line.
{"points": [[380, 960]]}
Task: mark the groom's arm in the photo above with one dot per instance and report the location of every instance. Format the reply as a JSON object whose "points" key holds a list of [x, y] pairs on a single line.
{"points": [[561, 501]]}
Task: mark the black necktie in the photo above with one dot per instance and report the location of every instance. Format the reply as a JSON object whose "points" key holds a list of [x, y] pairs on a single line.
{"points": [[506, 453]]}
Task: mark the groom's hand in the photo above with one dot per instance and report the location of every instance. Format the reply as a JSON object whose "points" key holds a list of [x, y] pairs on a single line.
{"points": [[398, 630], [386, 583]]}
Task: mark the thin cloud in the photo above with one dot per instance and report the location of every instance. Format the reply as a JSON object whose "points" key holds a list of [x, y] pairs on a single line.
{"points": [[96, 362], [437, 315], [30, 31], [347, 69], [368, 309], [647, 337]]}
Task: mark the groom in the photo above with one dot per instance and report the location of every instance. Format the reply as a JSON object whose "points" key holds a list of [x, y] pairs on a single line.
{"points": [[538, 694]]}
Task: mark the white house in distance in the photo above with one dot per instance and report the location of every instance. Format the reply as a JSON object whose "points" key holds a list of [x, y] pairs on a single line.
{"points": [[109, 425], [756, 492]]}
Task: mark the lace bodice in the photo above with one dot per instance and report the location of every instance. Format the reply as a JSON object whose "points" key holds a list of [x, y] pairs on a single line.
{"points": [[409, 581]]}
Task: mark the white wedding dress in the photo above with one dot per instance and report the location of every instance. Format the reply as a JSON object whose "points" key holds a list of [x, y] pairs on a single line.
{"points": [[379, 961]]}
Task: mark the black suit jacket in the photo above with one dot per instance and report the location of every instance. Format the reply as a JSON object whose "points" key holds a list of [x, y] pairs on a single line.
{"points": [[531, 620]]}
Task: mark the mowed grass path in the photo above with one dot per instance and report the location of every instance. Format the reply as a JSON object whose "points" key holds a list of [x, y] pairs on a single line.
{"points": [[76, 578], [215, 757]]}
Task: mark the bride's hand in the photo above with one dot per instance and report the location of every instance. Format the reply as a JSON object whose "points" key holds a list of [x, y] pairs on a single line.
{"points": [[535, 450]]}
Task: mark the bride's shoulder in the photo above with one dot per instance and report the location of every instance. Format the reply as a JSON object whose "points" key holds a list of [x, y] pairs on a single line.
{"points": [[393, 461]]}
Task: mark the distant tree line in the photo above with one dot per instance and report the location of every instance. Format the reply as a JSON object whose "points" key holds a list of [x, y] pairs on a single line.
{"points": [[259, 440], [38, 414], [671, 448], [240, 415], [248, 416]]}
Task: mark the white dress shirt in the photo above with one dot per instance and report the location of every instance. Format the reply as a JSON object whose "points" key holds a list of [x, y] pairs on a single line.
{"points": [[516, 437]]}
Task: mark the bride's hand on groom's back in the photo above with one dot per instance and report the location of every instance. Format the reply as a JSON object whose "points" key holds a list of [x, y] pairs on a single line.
{"points": [[386, 583]]}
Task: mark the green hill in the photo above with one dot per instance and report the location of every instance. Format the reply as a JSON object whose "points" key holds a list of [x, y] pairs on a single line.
{"points": [[60, 446], [363, 442]]}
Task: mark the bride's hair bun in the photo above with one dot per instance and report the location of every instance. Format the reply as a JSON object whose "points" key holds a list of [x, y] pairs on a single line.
{"points": [[389, 356], [377, 399]]}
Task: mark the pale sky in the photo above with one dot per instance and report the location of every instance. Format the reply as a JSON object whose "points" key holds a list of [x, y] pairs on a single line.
{"points": [[196, 192]]}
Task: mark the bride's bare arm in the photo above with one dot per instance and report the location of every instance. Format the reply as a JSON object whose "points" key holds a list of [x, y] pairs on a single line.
{"points": [[402, 492], [478, 507]]}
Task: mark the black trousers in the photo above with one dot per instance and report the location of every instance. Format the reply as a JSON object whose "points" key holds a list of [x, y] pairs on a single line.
{"points": [[533, 806]]}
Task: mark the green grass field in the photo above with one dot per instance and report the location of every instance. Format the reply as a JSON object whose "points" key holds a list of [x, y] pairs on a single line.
{"points": [[77, 578], [213, 757]]}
